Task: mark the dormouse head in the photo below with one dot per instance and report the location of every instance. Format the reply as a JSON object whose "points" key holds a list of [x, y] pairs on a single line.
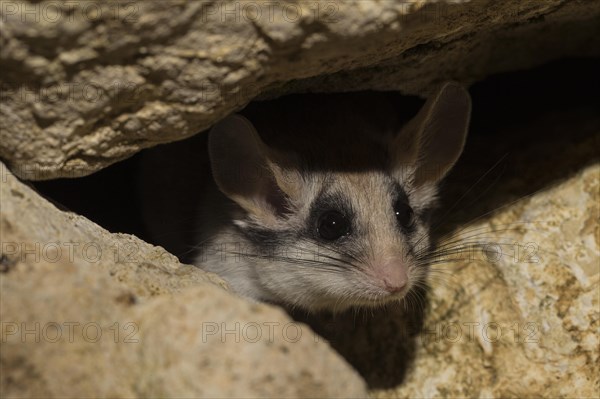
{"points": [[333, 238]]}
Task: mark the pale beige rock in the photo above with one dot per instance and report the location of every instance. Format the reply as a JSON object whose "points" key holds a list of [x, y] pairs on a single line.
{"points": [[116, 317], [87, 84], [522, 328], [521, 323], [35, 231]]}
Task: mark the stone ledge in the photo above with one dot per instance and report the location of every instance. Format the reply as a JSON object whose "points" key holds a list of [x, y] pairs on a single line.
{"points": [[90, 313], [82, 91]]}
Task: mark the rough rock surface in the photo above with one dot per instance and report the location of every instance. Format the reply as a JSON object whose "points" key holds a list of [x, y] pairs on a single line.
{"points": [[521, 323], [86, 84], [86, 313]]}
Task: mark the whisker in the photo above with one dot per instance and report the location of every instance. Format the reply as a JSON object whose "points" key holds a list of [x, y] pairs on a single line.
{"points": [[491, 230], [442, 218], [473, 186]]}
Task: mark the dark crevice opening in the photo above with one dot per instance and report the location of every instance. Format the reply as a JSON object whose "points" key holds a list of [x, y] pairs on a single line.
{"points": [[501, 103]]}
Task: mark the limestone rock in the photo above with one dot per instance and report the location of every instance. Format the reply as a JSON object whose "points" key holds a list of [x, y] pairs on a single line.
{"points": [[89, 313], [521, 314], [86, 84]]}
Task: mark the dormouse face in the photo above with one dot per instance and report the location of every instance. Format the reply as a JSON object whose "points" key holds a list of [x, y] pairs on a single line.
{"points": [[351, 240], [337, 238]]}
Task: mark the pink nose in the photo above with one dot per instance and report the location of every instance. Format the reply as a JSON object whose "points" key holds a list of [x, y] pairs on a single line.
{"points": [[394, 286], [392, 274]]}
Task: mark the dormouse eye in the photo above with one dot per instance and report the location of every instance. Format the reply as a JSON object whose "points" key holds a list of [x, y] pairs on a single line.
{"points": [[404, 214], [333, 225]]}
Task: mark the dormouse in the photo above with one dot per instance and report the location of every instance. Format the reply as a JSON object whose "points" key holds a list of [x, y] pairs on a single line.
{"points": [[328, 209]]}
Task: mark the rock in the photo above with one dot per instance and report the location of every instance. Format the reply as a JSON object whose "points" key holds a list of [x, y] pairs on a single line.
{"points": [[518, 318], [85, 85], [89, 313]]}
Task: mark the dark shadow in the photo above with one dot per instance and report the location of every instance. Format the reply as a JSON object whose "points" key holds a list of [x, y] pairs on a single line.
{"points": [[530, 131], [379, 343], [106, 197]]}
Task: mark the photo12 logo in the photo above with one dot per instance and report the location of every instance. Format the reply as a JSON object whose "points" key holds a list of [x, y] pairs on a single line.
{"points": [[68, 331], [485, 333], [253, 332], [270, 11], [70, 251], [69, 11]]}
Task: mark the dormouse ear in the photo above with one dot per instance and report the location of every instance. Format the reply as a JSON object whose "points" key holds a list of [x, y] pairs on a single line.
{"points": [[432, 142], [247, 170]]}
